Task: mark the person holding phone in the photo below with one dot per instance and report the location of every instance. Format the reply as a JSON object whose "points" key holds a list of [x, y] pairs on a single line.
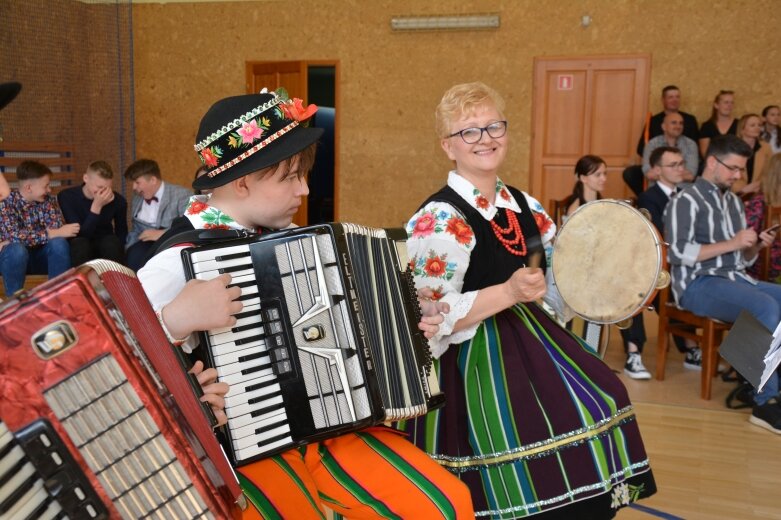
{"points": [[710, 248], [756, 207]]}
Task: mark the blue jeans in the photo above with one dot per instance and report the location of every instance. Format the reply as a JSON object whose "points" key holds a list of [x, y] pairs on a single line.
{"points": [[723, 299], [17, 260]]}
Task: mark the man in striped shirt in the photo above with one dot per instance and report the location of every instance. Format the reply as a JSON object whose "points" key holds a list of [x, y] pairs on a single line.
{"points": [[710, 248]]}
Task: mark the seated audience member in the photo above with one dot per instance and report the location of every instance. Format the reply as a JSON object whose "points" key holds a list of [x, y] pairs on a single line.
{"points": [[749, 129], [771, 115], [671, 103], [154, 206], [32, 229], [202, 169], [721, 121], [101, 213], [672, 128], [756, 206], [710, 247], [590, 179], [667, 170]]}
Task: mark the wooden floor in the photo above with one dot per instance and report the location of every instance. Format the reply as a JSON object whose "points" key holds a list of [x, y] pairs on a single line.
{"points": [[709, 461]]}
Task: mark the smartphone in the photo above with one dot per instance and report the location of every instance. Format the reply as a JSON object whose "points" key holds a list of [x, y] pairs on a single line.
{"points": [[771, 228]]}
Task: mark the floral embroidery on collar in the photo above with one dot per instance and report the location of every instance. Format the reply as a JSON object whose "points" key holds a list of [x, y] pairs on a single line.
{"points": [[204, 216], [477, 200]]}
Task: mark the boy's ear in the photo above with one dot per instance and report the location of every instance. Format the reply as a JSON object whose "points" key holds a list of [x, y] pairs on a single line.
{"points": [[240, 186]]}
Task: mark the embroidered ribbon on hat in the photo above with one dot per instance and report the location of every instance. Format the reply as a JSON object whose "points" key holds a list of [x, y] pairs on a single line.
{"points": [[268, 140]]}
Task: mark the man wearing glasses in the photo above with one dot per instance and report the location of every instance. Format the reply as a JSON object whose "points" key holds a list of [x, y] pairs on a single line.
{"points": [[672, 135], [710, 248]]}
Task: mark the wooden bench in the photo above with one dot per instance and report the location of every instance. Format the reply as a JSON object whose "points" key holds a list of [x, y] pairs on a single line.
{"points": [[59, 159]]}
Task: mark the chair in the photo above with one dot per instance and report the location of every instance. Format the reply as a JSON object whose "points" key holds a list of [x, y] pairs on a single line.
{"points": [[558, 208], [706, 331]]}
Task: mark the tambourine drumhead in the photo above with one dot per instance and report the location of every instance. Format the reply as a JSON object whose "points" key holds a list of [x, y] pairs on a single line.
{"points": [[606, 261]]}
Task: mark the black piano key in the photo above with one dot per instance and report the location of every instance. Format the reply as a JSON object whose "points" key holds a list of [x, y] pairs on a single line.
{"points": [[248, 283], [247, 314], [223, 258], [267, 409], [248, 326], [250, 339], [258, 368], [250, 357], [234, 268], [271, 440], [258, 386], [282, 420], [256, 400]]}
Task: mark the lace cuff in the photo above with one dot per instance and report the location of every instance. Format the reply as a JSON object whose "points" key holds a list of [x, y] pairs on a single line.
{"points": [[175, 342], [460, 305]]}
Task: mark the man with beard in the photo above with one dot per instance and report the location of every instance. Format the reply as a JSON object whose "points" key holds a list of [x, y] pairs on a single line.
{"points": [[710, 248]]}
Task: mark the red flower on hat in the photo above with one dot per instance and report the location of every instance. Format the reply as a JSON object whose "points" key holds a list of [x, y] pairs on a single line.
{"points": [[209, 158], [294, 109], [250, 131]]}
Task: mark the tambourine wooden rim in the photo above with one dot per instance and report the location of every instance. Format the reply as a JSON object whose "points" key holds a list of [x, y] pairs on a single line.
{"points": [[608, 261]]}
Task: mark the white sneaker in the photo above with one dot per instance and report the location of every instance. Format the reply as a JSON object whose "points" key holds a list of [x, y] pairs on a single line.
{"points": [[693, 359], [634, 367]]}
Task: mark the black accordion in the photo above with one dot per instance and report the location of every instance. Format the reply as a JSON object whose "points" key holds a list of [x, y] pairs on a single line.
{"points": [[327, 341]]}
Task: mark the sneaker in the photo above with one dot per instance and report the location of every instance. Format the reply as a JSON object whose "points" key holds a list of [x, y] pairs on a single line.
{"points": [[767, 416], [693, 359], [634, 367]]}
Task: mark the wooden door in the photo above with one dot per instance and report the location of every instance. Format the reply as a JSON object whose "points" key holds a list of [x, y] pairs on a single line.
{"points": [[292, 76], [589, 105]]}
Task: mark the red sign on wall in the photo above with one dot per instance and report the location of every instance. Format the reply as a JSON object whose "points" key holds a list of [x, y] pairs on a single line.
{"points": [[565, 81]]}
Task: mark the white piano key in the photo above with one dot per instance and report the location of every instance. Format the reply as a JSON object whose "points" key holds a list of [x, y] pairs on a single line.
{"points": [[260, 438], [255, 450], [9, 461], [230, 337], [277, 417], [236, 398], [238, 378], [235, 368], [245, 408], [231, 346], [254, 319], [237, 421], [232, 356], [213, 265], [211, 254]]}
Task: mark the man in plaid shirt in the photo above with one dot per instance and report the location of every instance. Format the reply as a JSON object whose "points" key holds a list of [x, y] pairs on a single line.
{"points": [[33, 235]]}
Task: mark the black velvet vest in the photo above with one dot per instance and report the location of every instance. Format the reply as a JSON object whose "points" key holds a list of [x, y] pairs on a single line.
{"points": [[490, 263]]}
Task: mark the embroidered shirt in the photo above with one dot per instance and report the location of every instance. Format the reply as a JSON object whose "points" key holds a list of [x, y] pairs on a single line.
{"points": [[702, 214], [163, 276], [27, 221], [440, 244]]}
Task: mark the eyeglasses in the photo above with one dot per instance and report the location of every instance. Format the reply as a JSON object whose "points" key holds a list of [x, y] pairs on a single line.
{"points": [[732, 168], [474, 134], [675, 165]]}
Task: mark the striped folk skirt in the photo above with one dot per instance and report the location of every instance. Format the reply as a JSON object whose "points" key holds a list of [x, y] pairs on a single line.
{"points": [[535, 423]]}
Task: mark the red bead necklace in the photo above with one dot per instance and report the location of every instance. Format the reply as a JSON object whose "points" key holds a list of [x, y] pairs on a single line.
{"points": [[511, 236]]}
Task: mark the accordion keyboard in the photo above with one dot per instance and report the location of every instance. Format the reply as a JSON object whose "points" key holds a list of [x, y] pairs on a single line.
{"points": [[290, 358]]}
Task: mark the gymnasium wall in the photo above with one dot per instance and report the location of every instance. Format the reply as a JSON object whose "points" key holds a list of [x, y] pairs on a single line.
{"points": [[188, 55]]}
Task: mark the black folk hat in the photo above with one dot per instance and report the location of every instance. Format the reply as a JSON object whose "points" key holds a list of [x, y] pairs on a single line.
{"points": [[242, 134], [8, 92]]}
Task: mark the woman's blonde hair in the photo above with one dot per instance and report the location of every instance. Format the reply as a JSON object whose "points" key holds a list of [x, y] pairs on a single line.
{"points": [[464, 99], [771, 181], [742, 123]]}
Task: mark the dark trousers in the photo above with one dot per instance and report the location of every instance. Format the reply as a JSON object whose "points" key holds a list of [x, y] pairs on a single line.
{"points": [[84, 249], [636, 333], [136, 255], [634, 178]]}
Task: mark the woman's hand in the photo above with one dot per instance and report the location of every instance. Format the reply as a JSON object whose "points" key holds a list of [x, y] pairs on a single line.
{"points": [[433, 312], [213, 392], [526, 284]]}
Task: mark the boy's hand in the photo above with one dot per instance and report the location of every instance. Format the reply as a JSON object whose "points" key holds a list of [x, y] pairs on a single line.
{"points": [[213, 392], [65, 231], [102, 197], [202, 305], [150, 235], [433, 312]]}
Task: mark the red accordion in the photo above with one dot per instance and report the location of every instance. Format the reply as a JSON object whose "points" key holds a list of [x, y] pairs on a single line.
{"points": [[85, 352]]}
